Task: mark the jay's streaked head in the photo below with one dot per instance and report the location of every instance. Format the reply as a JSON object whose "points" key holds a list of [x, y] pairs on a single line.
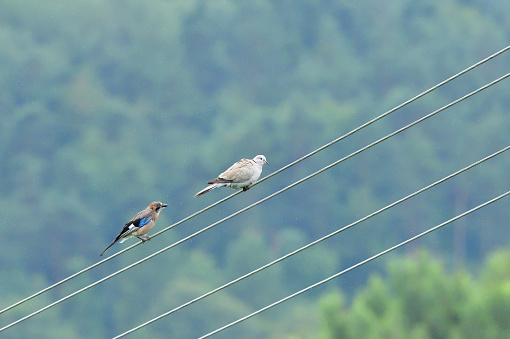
{"points": [[157, 206]]}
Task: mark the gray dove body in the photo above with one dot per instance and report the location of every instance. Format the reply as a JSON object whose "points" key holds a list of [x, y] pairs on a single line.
{"points": [[242, 174]]}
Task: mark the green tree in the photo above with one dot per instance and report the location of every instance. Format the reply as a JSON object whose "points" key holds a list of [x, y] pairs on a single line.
{"points": [[419, 298]]}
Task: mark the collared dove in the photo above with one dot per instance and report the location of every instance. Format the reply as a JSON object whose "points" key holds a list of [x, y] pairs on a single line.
{"points": [[240, 175]]}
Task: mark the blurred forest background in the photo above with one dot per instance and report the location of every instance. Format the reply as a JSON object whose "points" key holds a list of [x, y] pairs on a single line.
{"points": [[108, 105]]}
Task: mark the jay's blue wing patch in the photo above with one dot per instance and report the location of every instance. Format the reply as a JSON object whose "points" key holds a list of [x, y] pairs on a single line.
{"points": [[144, 221]]}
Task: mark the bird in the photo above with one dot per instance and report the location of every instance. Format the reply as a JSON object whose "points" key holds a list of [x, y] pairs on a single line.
{"points": [[242, 174], [140, 225]]}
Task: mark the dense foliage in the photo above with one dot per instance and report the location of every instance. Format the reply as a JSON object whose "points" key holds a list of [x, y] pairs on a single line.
{"points": [[420, 299], [109, 105]]}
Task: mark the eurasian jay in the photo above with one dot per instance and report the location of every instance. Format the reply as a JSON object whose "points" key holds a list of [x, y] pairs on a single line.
{"points": [[140, 225]]}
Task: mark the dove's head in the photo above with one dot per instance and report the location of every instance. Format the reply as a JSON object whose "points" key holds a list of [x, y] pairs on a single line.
{"points": [[260, 159]]}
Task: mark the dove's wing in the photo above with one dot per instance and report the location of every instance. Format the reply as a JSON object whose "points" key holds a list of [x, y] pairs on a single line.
{"points": [[239, 172]]}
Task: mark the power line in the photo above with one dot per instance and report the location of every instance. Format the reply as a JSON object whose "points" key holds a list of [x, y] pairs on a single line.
{"points": [[256, 203], [313, 243], [355, 266], [261, 180], [114, 255], [387, 113]]}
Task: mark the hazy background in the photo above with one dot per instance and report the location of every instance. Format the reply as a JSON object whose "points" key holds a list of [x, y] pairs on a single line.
{"points": [[108, 105]]}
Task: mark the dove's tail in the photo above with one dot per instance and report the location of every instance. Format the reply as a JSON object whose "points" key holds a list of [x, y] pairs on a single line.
{"points": [[208, 189]]}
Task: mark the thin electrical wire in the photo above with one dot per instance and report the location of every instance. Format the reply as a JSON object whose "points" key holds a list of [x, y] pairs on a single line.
{"points": [[313, 243], [263, 179], [256, 203], [114, 255], [386, 113], [355, 266]]}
